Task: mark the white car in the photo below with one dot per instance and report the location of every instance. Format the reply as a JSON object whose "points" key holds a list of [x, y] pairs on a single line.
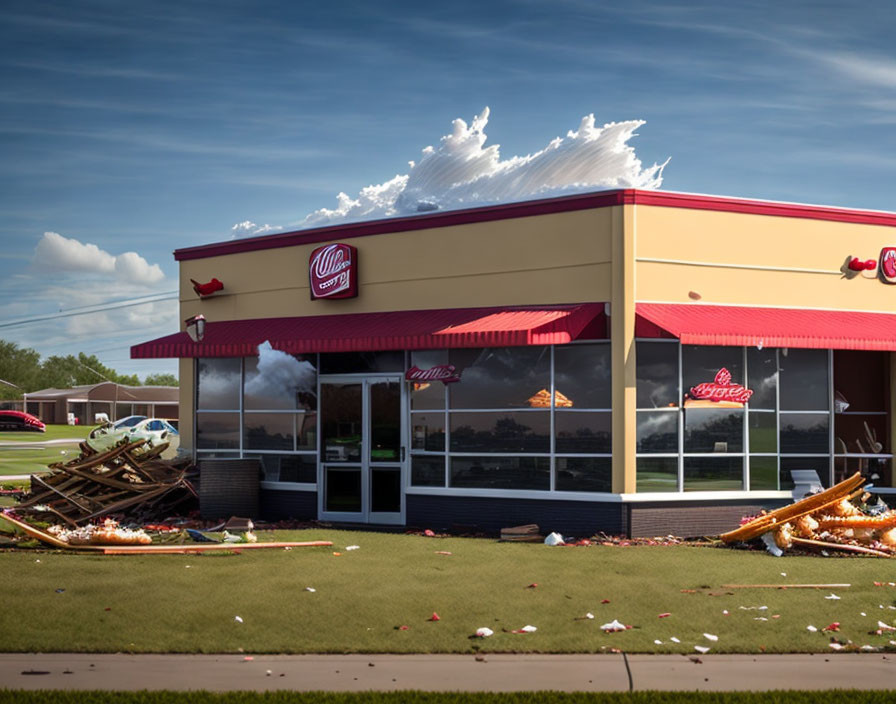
{"points": [[156, 430]]}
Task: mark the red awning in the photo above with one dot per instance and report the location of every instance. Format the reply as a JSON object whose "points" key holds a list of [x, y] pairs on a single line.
{"points": [[510, 326], [697, 324]]}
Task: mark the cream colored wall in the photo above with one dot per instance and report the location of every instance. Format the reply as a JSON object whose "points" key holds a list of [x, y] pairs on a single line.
{"points": [[561, 258], [733, 258], [187, 382]]}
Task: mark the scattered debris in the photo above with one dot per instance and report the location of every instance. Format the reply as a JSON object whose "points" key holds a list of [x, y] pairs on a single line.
{"points": [[840, 518], [121, 481], [554, 539], [484, 632], [521, 534], [434, 617], [614, 626]]}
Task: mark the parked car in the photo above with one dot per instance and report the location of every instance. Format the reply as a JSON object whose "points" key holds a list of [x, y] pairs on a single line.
{"points": [[17, 420], [155, 430]]}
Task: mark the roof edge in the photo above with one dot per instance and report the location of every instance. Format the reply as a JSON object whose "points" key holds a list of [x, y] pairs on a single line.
{"points": [[545, 206]]}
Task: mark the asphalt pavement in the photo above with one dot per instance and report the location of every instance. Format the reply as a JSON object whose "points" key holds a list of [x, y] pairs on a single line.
{"points": [[502, 673]]}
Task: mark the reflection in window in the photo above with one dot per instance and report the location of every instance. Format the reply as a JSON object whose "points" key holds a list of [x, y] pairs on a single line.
{"points": [[763, 431], [583, 432], [657, 431], [804, 432], [427, 471], [288, 468], [489, 472], [362, 362], [428, 431], [430, 394], [657, 374], [500, 432], [763, 473], [269, 431], [218, 383], [713, 473], [822, 465], [282, 381], [713, 430], [804, 380], [217, 431], [584, 474], [657, 474], [762, 377], [582, 374], [502, 377]]}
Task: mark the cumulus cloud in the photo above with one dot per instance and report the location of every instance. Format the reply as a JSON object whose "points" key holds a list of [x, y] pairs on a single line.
{"points": [[247, 228], [68, 254], [462, 172]]}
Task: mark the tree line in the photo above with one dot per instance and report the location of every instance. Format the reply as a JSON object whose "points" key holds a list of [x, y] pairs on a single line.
{"points": [[22, 371]]}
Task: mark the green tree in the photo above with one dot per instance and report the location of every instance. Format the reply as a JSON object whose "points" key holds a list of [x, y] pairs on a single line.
{"points": [[160, 380], [18, 366]]}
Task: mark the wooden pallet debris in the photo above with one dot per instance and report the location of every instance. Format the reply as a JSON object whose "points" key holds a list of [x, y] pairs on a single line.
{"points": [[126, 480]]}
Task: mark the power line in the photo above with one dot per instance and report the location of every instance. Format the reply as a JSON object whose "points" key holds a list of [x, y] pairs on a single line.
{"points": [[68, 314]]}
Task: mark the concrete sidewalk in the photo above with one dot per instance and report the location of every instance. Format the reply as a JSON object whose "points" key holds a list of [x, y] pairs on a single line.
{"points": [[505, 673]]}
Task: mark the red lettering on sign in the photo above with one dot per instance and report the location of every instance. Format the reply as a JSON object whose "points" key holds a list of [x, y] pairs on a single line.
{"points": [[721, 389], [888, 264]]}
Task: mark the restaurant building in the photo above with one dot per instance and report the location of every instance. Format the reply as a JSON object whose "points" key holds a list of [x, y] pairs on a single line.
{"points": [[627, 361]]}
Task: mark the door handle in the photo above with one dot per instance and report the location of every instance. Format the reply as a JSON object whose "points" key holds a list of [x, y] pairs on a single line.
{"points": [[402, 453]]}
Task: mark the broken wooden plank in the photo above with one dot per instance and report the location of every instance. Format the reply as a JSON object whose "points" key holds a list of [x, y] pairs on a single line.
{"points": [[786, 586]]}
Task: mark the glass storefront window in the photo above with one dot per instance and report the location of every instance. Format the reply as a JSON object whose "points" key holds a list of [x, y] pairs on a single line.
{"points": [[713, 430], [580, 432], [762, 377], [289, 384], [582, 375], [763, 473], [657, 431], [657, 374], [822, 465], [804, 380], [584, 474], [500, 432], [217, 431], [428, 395], [657, 474], [362, 362], [805, 432], [428, 431], [490, 472], [713, 473], [269, 431], [428, 470], [218, 383], [503, 377], [763, 431], [288, 468]]}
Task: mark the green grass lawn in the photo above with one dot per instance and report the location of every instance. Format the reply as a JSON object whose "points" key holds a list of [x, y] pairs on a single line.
{"points": [[36, 458], [57, 601]]}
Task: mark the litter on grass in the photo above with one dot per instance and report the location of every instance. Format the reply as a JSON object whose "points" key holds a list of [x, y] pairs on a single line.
{"points": [[484, 632], [554, 539], [614, 626]]}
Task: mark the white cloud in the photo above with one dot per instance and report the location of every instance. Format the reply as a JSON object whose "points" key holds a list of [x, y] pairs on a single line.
{"points": [[247, 228], [462, 172], [57, 253]]}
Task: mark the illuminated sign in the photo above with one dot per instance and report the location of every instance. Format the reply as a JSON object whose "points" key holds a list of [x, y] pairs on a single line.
{"points": [[721, 390], [333, 271], [888, 264]]}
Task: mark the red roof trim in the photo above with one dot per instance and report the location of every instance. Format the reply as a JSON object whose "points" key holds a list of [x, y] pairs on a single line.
{"points": [[546, 206], [698, 324], [511, 326]]}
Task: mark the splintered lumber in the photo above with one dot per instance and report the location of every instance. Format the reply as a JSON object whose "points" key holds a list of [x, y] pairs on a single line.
{"points": [[53, 541], [845, 547], [185, 549], [118, 480], [803, 507], [786, 586]]}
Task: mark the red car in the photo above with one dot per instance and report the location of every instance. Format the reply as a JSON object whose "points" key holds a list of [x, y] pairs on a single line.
{"points": [[17, 420]]}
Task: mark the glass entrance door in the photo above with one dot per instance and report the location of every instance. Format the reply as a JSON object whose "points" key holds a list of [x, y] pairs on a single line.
{"points": [[362, 450]]}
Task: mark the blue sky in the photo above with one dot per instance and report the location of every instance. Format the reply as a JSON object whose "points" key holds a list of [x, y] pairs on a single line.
{"points": [[145, 126]]}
